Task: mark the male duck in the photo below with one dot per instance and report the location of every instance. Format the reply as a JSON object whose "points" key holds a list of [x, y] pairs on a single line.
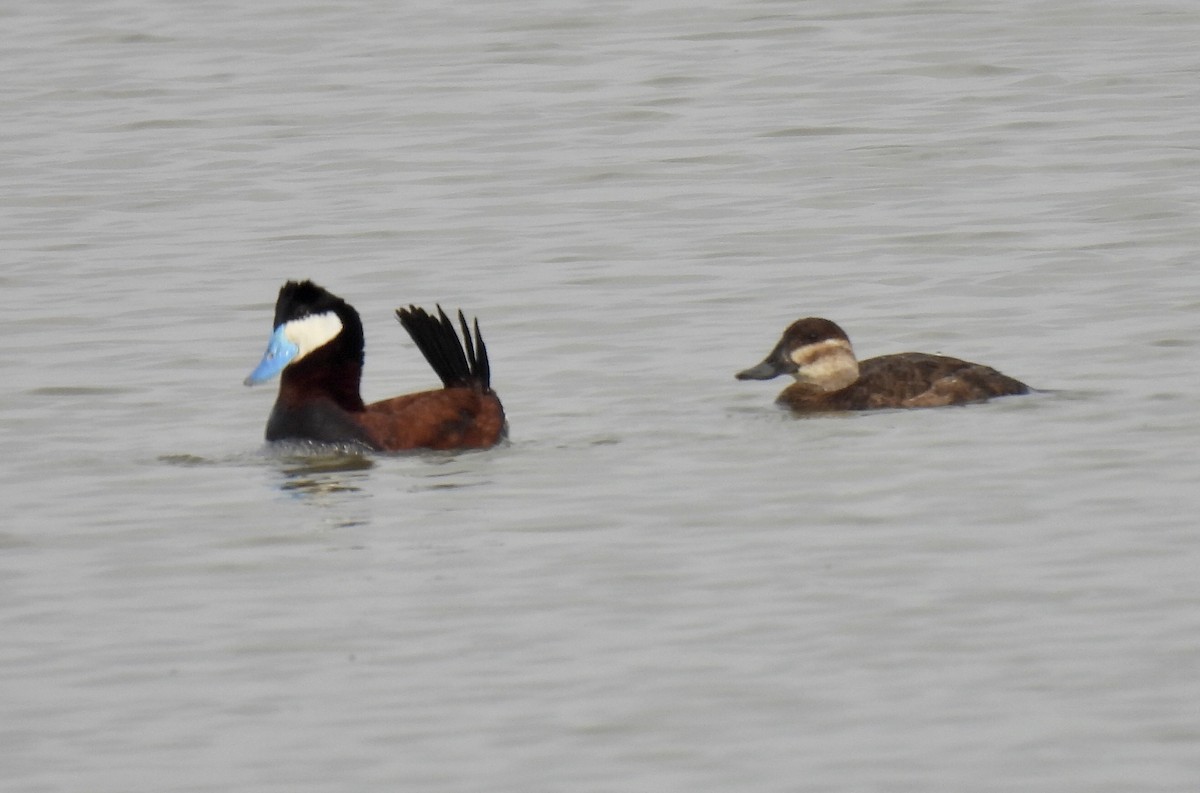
{"points": [[317, 345]]}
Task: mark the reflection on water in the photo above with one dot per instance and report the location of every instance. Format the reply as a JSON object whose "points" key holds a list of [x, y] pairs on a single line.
{"points": [[667, 582], [316, 474], [320, 469], [313, 469], [326, 476], [342, 483]]}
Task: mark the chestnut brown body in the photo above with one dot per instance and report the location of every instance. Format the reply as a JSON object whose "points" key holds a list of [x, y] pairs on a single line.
{"points": [[829, 378], [319, 397]]}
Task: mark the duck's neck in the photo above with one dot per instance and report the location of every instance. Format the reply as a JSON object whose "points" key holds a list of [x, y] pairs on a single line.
{"points": [[312, 377]]}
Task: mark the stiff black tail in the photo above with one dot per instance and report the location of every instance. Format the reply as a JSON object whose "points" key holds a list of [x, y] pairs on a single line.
{"points": [[458, 364]]}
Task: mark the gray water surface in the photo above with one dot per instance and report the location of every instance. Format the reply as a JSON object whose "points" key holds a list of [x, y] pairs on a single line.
{"points": [[661, 583]]}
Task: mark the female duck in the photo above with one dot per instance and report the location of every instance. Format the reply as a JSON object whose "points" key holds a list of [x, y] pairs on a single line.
{"points": [[828, 376], [317, 348]]}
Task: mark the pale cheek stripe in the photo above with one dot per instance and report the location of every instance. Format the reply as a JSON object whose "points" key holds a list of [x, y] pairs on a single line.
{"points": [[809, 353]]}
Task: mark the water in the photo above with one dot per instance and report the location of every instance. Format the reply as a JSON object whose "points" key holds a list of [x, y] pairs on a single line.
{"points": [[661, 583]]}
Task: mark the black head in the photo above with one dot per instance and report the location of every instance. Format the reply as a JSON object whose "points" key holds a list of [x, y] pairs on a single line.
{"points": [[310, 320], [300, 299]]}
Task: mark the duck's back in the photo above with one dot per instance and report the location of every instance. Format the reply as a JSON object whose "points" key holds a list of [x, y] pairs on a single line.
{"points": [[908, 380], [448, 418]]}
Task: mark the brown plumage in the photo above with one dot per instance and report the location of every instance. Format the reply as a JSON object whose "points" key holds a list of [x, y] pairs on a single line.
{"points": [[318, 351], [449, 418], [829, 378]]}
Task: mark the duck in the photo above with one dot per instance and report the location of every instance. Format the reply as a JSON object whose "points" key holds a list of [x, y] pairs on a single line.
{"points": [[829, 377], [316, 349]]}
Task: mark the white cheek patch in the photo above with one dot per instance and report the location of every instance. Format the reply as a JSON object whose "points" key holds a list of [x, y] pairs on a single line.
{"points": [[312, 332]]}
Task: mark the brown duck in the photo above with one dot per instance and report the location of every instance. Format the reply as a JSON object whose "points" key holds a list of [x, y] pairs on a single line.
{"points": [[828, 377]]}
